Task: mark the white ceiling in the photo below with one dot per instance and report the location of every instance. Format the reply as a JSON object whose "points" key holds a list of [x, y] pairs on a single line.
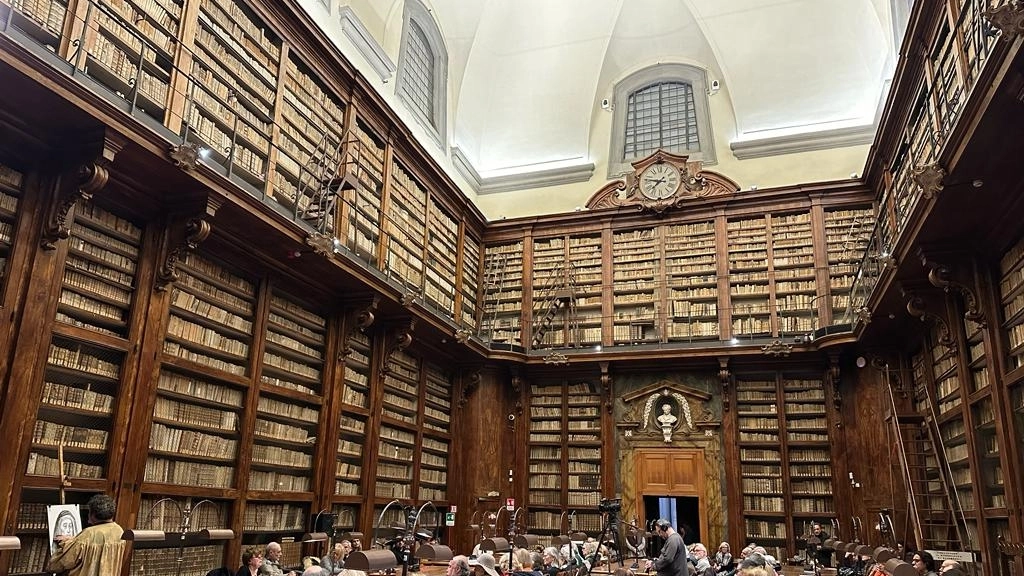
{"points": [[526, 77]]}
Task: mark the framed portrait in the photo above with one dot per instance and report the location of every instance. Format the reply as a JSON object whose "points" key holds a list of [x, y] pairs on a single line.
{"points": [[63, 520]]}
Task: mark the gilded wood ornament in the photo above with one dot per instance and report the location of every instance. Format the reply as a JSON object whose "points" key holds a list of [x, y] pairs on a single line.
{"points": [[929, 177], [725, 377]]}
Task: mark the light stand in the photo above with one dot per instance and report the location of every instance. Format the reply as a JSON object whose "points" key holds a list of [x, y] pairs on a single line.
{"points": [[185, 527]]}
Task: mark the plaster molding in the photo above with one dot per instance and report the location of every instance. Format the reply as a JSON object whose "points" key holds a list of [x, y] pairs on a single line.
{"points": [[796, 143], [367, 45], [523, 181]]}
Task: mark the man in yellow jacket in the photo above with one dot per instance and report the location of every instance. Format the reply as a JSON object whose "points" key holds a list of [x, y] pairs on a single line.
{"points": [[96, 551]]}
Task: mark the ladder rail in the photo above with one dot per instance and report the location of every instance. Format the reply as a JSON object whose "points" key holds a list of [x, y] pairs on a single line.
{"points": [[905, 464]]}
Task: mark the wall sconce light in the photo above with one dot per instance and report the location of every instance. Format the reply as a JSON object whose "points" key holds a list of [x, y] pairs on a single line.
{"points": [[883, 554], [217, 534], [897, 567], [315, 537], [10, 543]]}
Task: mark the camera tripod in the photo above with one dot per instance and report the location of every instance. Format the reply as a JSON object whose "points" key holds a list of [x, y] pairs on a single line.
{"points": [[610, 534]]}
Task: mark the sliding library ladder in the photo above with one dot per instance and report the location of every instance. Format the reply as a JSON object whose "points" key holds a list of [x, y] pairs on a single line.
{"points": [[493, 283], [557, 300], [323, 185], [933, 505]]}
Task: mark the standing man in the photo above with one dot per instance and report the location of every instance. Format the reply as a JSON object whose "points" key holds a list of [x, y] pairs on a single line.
{"points": [[672, 561], [96, 551], [272, 562], [822, 555]]}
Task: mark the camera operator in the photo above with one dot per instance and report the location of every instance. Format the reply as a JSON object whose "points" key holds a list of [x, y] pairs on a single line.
{"points": [[672, 561]]}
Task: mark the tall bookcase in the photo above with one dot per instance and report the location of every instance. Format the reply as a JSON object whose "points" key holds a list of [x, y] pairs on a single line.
{"points": [[470, 283], [691, 278], [10, 195], [42, 19], [441, 252], [1011, 290], [352, 432], [435, 430], [235, 64], [361, 211], [847, 231], [564, 458], [636, 266], [749, 288], [585, 254], [400, 407], [502, 293], [785, 457], [311, 126], [406, 228], [567, 289], [82, 391], [794, 273]]}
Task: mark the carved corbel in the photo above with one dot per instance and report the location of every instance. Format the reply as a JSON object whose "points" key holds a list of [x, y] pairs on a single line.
{"points": [[942, 276], [360, 316], [185, 236], [777, 348], [470, 382], [918, 308], [400, 339], [517, 393], [929, 177], [606, 386], [91, 178], [408, 298], [1008, 19], [724, 376], [863, 315], [833, 373]]}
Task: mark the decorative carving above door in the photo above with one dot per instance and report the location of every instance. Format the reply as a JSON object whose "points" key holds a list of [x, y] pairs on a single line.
{"points": [[666, 411]]}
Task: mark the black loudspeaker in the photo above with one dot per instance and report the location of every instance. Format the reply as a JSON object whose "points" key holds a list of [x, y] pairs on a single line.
{"points": [[325, 523]]}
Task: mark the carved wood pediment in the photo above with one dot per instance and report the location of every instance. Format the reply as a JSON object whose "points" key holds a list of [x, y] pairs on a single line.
{"points": [[694, 183], [667, 410]]}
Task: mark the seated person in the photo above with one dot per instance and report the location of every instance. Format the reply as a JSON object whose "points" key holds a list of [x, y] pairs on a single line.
{"points": [[252, 559]]}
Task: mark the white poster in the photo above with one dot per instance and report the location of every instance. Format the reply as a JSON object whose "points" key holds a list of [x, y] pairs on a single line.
{"points": [[63, 520]]}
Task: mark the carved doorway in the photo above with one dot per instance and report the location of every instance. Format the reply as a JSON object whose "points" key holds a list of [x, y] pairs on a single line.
{"points": [[666, 472]]}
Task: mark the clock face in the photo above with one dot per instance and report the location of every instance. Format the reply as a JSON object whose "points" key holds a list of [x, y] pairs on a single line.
{"points": [[659, 181]]}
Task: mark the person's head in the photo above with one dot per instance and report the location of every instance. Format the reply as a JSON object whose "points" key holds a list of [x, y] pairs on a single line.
{"points": [[923, 562], [524, 559], [338, 552], [484, 565], [948, 565], [754, 560], [101, 509], [252, 557], [273, 553], [346, 547], [752, 571], [746, 551], [699, 551], [550, 556], [536, 559], [724, 548], [816, 529], [663, 527], [458, 566], [666, 409]]}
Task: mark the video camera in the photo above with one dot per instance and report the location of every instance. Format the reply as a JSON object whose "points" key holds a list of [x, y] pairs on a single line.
{"points": [[610, 505]]}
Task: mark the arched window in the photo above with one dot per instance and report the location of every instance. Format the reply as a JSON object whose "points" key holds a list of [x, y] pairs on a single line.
{"points": [[666, 107], [423, 69]]}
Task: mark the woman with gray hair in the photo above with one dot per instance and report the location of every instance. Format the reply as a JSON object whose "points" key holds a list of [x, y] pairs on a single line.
{"points": [[553, 561]]}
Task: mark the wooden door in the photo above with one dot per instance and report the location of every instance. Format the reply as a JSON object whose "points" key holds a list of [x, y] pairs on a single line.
{"points": [[670, 472]]}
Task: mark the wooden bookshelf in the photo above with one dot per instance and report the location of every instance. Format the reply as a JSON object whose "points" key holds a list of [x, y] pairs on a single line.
{"points": [[847, 231], [546, 438], [401, 389], [152, 557], [691, 278], [100, 272], [585, 254], [749, 289], [1011, 290], [636, 265], [565, 448], [11, 182], [43, 20], [470, 283], [235, 62], [288, 405], [761, 452], [808, 449], [567, 290], [361, 212], [406, 226], [435, 426], [395, 462], [502, 293], [949, 398], [310, 141], [352, 432], [440, 256], [793, 270]]}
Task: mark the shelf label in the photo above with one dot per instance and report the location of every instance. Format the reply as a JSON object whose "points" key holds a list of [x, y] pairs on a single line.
{"points": [[453, 508]]}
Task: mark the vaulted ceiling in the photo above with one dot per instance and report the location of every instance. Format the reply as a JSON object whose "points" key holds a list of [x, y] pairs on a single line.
{"points": [[526, 77]]}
